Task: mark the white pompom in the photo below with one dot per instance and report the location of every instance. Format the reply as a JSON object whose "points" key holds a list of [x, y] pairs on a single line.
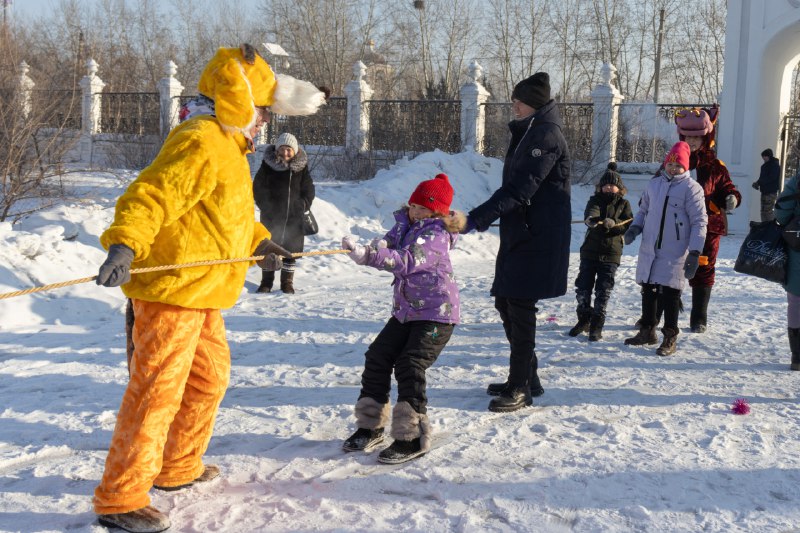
{"points": [[296, 97]]}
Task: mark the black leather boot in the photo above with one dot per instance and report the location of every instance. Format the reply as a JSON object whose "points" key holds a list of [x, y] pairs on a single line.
{"points": [[287, 282], [537, 390], [794, 345], [511, 399], [267, 279], [699, 315]]}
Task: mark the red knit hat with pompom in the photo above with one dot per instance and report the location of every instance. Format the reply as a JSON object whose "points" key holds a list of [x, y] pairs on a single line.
{"points": [[435, 194], [679, 154]]}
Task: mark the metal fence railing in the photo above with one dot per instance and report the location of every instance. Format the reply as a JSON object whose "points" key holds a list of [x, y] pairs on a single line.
{"points": [[412, 126], [577, 120], [59, 109], [327, 127], [132, 113], [647, 131]]}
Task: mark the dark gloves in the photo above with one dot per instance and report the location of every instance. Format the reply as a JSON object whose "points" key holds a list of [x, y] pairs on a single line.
{"points": [[755, 185], [632, 233], [273, 255], [691, 264], [116, 270]]}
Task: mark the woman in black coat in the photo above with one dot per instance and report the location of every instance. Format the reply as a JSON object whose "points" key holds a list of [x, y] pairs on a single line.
{"points": [[283, 191], [533, 205]]}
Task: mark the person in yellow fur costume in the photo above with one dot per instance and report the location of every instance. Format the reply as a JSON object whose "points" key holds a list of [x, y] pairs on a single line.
{"points": [[193, 203]]}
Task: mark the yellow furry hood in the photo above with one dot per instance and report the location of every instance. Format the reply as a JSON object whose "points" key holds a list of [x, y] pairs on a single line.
{"points": [[238, 80]]}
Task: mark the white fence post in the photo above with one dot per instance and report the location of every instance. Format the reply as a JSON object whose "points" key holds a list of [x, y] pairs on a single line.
{"points": [[473, 114], [24, 89], [169, 89], [91, 87], [357, 93], [605, 117]]}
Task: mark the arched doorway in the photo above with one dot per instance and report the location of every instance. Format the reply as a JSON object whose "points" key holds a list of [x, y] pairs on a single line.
{"points": [[762, 47]]}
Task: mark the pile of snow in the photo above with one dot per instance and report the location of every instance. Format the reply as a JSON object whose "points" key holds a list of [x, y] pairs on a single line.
{"points": [[622, 440]]}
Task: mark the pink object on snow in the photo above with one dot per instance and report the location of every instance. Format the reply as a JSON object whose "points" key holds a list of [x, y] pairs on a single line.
{"points": [[740, 407]]}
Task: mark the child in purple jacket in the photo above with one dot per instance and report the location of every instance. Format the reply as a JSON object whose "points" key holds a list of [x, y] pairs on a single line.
{"points": [[425, 311]]}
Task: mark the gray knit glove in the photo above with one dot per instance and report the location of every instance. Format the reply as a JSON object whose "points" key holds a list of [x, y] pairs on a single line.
{"points": [[691, 264], [116, 270]]}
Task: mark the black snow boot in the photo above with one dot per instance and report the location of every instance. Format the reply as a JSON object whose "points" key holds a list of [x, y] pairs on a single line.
{"points": [[511, 399], [267, 279], [363, 440], [646, 335], [698, 318], [412, 435], [794, 345], [582, 326], [287, 281], [596, 327], [371, 417], [494, 389], [669, 344]]}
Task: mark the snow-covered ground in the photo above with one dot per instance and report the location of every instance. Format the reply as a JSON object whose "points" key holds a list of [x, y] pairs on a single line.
{"points": [[622, 440]]}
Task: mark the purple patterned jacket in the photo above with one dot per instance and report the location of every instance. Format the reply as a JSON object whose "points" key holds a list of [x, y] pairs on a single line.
{"points": [[419, 257]]}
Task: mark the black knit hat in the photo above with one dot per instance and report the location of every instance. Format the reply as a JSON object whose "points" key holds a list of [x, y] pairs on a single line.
{"points": [[767, 153], [533, 91], [611, 176]]}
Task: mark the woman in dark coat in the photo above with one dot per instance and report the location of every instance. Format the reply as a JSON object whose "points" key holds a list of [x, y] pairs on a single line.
{"points": [[283, 191], [533, 205]]}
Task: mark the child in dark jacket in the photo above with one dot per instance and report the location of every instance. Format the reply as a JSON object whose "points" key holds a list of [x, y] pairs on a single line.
{"points": [[607, 215], [425, 311]]}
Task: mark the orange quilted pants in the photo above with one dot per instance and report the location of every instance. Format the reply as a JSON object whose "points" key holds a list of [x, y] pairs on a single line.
{"points": [[179, 373]]}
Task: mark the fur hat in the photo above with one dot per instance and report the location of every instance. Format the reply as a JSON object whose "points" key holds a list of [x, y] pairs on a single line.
{"points": [[534, 90], [287, 139], [435, 194], [611, 177], [679, 154], [238, 80]]}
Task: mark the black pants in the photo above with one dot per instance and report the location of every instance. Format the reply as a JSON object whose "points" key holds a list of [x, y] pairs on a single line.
{"points": [[597, 275], [519, 322], [657, 297], [409, 349]]}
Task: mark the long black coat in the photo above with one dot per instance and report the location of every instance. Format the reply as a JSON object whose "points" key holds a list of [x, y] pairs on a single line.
{"points": [[533, 204], [603, 244], [282, 193]]}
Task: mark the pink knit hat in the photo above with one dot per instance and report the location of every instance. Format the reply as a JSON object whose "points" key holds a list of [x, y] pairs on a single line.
{"points": [[679, 154]]}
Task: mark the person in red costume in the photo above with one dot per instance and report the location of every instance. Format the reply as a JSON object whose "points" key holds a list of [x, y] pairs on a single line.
{"points": [[697, 127]]}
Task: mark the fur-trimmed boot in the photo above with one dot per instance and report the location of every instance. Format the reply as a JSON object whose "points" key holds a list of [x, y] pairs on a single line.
{"points": [[646, 335], [411, 432], [670, 343], [267, 279], [794, 345], [371, 418], [287, 281], [145, 520]]}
